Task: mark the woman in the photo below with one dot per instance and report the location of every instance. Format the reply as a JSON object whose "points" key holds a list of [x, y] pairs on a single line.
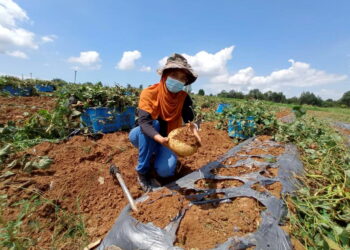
{"points": [[163, 107]]}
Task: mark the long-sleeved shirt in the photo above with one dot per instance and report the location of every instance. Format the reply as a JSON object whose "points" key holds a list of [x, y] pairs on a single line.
{"points": [[145, 119]]}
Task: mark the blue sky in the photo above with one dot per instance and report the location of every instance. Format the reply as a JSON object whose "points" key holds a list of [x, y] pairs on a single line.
{"points": [[288, 46]]}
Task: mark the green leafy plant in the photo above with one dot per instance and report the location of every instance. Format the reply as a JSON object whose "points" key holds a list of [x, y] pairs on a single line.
{"points": [[321, 217], [299, 111], [97, 95], [263, 118]]}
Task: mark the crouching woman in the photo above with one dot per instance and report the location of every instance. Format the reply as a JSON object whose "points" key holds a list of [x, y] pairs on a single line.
{"points": [[162, 108]]}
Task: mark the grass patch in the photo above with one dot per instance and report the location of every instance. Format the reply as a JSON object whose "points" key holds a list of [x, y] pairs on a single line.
{"points": [[38, 219]]}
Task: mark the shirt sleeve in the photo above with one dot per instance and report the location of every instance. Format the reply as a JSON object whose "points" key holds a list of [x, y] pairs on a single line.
{"points": [[188, 110], [145, 122]]}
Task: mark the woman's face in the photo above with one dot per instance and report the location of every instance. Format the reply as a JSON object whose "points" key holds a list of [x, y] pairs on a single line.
{"points": [[179, 75]]}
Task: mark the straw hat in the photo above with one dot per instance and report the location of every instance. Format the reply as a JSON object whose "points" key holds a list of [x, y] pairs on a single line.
{"points": [[177, 61]]}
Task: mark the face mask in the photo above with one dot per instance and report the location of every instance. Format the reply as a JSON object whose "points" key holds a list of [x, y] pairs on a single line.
{"points": [[173, 85]]}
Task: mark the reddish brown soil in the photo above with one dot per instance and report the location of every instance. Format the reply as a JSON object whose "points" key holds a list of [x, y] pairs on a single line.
{"points": [[275, 188], [160, 208], [297, 245], [233, 160], [217, 184], [14, 108], [343, 131], [275, 151], [79, 181], [186, 136], [214, 144], [259, 159], [283, 113], [235, 171], [263, 138], [270, 172], [205, 226]]}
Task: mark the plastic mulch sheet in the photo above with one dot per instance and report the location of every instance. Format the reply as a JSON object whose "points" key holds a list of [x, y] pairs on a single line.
{"points": [[128, 233]]}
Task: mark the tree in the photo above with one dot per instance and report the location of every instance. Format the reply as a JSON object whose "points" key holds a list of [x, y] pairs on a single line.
{"points": [[345, 99], [59, 81], [293, 100], [201, 92], [278, 97], [141, 86], [256, 94], [310, 98]]}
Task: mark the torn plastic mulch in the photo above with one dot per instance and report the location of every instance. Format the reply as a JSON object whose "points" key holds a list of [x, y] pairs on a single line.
{"points": [[128, 233]]}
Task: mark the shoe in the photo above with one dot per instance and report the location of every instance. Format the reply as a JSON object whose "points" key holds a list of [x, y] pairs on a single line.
{"points": [[144, 182]]}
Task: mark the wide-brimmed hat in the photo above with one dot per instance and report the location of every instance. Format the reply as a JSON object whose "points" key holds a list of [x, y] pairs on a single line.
{"points": [[177, 61]]}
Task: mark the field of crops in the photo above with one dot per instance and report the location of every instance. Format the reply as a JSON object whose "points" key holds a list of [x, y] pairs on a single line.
{"points": [[56, 190]]}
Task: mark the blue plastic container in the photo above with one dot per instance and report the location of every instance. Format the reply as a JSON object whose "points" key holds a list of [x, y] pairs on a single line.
{"points": [[235, 127], [45, 88], [221, 107], [107, 120], [85, 120], [23, 91]]}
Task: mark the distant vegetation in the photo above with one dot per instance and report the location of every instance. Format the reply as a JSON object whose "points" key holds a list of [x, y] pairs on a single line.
{"points": [[279, 97]]}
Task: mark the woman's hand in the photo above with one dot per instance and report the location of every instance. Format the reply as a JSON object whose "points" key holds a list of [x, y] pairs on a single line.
{"points": [[194, 129], [162, 140]]}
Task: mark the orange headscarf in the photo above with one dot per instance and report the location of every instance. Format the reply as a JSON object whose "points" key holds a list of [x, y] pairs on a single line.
{"points": [[160, 102]]}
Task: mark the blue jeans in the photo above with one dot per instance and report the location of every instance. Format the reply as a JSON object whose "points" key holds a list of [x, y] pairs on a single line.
{"points": [[165, 162]]}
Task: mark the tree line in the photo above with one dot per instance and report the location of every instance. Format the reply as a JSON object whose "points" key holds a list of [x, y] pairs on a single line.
{"points": [[305, 98]]}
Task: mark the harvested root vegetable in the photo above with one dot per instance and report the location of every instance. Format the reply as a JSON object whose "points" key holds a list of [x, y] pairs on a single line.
{"points": [[186, 135], [183, 141]]}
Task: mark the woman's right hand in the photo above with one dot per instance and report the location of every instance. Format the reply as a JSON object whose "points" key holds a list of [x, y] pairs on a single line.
{"points": [[162, 140]]}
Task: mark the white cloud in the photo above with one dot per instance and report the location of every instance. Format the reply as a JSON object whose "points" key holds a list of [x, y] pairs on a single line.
{"points": [[299, 74], [128, 60], [145, 69], [330, 93], [162, 61], [10, 13], [17, 53], [205, 63], [48, 39], [11, 35], [87, 59]]}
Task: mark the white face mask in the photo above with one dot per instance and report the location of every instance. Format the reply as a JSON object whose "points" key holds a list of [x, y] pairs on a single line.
{"points": [[174, 85]]}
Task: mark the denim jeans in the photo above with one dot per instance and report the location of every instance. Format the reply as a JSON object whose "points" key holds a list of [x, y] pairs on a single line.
{"points": [[165, 162]]}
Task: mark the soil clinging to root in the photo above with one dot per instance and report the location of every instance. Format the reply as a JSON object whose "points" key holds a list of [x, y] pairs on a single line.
{"points": [[205, 226], [186, 136]]}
